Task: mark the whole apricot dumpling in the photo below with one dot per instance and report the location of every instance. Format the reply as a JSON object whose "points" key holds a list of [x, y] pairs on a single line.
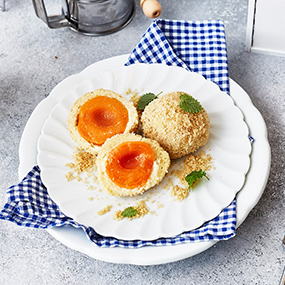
{"points": [[179, 132], [129, 164]]}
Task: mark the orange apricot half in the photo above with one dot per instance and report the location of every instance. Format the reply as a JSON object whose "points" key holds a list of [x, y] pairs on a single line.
{"points": [[101, 118], [129, 165]]}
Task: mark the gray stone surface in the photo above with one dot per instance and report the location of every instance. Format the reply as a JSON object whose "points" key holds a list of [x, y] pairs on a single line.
{"points": [[34, 58]]}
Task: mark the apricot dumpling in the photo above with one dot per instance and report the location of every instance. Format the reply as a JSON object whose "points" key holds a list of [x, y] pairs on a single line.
{"points": [[129, 164], [178, 131], [99, 115]]}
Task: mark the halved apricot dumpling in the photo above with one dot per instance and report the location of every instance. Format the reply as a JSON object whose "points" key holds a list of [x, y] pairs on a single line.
{"points": [[99, 115], [100, 118], [129, 164]]}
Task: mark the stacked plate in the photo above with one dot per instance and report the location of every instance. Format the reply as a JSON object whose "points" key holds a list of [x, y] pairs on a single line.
{"points": [[236, 162]]}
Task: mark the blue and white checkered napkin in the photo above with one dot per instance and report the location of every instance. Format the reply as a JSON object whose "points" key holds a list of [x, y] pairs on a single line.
{"points": [[196, 46]]}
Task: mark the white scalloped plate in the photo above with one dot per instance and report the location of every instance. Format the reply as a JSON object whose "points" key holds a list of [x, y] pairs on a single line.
{"points": [[228, 145], [76, 239]]}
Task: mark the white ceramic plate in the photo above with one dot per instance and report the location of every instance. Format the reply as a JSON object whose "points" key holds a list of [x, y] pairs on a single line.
{"points": [[228, 145], [75, 239]]}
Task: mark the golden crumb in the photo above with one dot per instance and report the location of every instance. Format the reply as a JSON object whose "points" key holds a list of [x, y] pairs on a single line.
{"points": [[91, 198], [159, 205], [69, 176], [180, 193], [135, 99], [118, 215], [104, 210], [191, 163], [199, 161], [83, 161], [90, 187], [194, 163], [141, 208], [170, 182]]}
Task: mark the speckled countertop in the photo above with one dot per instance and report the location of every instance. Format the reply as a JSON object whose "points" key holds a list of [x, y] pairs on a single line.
{"points": [[34, 59]]}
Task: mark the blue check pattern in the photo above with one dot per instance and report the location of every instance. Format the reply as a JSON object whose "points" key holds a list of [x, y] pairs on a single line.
{"points": [[198, 46], [195, 46], [29, 205]]}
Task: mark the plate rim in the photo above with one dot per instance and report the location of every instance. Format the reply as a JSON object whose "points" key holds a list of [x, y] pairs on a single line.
{"points": [[76, 239]]}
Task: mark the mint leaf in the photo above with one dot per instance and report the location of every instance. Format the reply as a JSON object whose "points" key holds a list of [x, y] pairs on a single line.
{"points": [[129, 212], [189, 104], [146, 99], [194, 175]]}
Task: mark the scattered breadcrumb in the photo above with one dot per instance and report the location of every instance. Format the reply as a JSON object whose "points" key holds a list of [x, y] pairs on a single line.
{"points": [[104, 210], [69, 176], [83, 161], [191, 163], [91, 187], [118, 215], [179, 193], [141, 208], [159, 205]]}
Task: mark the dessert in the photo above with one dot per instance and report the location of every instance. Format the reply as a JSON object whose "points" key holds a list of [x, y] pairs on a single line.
{"points": [[178, 131], [129, 164], [99, 115]]}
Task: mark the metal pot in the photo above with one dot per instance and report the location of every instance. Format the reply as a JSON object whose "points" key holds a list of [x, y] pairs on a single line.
{"points": [[89, 17]]}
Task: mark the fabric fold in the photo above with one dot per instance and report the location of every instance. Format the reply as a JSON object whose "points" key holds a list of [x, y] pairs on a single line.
{"points": [[198, 46]]}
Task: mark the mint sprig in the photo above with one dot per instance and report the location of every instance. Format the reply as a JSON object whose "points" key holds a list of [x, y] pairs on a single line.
{"points": [[189, 104], [194, 175], [129, 212], [146, 99]]}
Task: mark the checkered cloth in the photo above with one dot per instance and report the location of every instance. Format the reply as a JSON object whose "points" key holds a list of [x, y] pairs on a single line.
{"points": [[197, 46], [30, 205]]}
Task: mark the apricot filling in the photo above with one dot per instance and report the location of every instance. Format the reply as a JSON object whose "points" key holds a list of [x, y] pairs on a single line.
{"points": [[101, 118], [129, 165]]}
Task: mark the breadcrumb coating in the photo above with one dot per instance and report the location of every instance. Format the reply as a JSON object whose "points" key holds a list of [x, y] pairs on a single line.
{"points": [[177, 131]]}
